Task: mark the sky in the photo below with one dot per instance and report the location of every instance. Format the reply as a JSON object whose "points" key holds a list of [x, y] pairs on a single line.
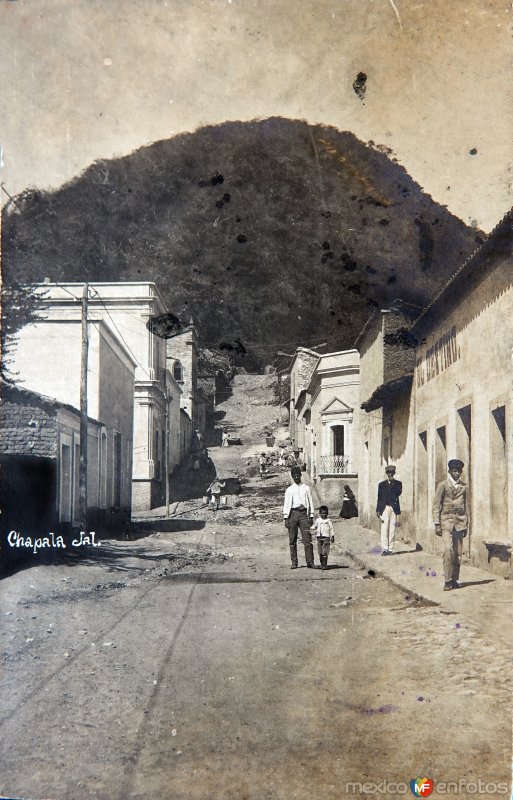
{"points": [[93, 79]]}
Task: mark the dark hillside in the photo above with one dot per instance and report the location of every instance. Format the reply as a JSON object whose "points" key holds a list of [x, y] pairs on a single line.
{"points": [[271, 232]]}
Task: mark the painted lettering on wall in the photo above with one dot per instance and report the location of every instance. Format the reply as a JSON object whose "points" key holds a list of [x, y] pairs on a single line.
{"points": [[441, 355]]}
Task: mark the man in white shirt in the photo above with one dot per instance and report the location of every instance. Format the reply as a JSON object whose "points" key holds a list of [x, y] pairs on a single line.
{"points": [[298, 512]]}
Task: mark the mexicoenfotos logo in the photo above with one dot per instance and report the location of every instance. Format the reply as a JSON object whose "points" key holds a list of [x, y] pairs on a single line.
{"points": [[421, 787]]}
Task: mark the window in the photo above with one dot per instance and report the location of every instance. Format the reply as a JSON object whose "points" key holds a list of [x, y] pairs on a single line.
{"points": [[116, 477], [440, 454], [421, 496], [157, 455], [65, 483], [103, 471], [338, 440], [76, 480], [464, 440], [499, 473], [177, 371]]}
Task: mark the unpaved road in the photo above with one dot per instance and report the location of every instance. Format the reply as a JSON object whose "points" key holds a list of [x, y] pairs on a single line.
{"points": [[224, 674]]}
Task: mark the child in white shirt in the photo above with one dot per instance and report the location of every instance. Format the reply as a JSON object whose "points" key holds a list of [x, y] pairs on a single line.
{"points": [[324, 528]]}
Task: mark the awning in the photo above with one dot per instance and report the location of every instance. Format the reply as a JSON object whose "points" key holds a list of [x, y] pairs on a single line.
{"points": [[387, 392]]}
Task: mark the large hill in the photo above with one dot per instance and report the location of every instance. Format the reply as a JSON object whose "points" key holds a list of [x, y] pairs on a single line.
{"points": [[272, 232]]}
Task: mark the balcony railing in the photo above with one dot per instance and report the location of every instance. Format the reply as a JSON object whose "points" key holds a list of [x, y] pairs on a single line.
{"points": [[336, 465]]}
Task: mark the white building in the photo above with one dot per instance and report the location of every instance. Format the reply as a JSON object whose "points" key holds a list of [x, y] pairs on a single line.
{"points": [[333, 438], [47, 358], [325, 419]]}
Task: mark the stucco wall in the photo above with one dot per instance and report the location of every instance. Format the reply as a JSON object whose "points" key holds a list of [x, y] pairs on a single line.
{"points": [[330, 492], [116, 411], [466, 361], [47, 360]]}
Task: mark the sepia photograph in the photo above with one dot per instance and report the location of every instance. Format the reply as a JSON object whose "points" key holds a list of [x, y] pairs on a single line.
{"points": [[256, 398]]}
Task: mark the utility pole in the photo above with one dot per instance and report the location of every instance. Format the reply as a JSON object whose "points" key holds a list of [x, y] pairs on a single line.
{"points": [[82, 475], [166, 453]]}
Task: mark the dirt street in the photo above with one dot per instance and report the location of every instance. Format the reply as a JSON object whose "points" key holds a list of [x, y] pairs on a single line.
{"points": [[192, 663]]}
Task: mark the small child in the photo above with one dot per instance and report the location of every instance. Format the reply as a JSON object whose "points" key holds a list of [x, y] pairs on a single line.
{"points": [[262, 464], [324, 528], [214, 490]]}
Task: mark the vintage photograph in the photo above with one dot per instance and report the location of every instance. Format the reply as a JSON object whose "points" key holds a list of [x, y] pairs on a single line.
{"points": [[256, 396]]}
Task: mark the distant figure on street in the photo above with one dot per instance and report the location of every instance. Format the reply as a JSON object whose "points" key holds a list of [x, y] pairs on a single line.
{"points": [[215, 490], [349, 508], [298, 514], [325, 535], [262, 465], [388, 509], [224, 442], [451, 519]]}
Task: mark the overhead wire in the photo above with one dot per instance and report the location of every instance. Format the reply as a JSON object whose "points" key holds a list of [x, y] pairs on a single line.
{"points": [[79, 300], [129, 349], [253, 346]]}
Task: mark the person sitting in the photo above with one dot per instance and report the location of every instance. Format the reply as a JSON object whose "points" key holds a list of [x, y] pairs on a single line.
{"points": [[349, 508]]}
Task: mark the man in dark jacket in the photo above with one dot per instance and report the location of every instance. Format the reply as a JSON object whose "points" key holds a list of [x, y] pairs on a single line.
{"points": [[388, 509]]}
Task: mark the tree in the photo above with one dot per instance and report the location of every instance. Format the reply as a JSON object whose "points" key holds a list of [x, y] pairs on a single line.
{"points": [[20, 304]]}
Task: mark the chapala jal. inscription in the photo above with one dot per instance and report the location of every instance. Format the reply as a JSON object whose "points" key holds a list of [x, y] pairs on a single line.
{"points": [[50, 540]]}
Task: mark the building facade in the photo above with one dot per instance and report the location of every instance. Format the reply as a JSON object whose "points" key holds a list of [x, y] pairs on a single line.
{"points": [[122, 311], [301, 370], [463, 391], [327, 424], [387, 358], [47, 361], [437, 384], [182, 361], [39, 456]]}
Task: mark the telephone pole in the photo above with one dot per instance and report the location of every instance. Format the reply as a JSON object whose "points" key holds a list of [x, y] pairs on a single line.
{"points": [[166, 452], [82, 475]]}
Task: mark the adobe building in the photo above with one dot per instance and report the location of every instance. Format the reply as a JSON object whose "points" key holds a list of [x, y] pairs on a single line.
{"points": [[182, 363], [387, 360], [301, 370], [463, 399], [39, 457]]}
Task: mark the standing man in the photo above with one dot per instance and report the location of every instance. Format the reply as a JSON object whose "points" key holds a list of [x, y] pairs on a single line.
{"points": [[451, 519], [388, 509], [298, 512]]}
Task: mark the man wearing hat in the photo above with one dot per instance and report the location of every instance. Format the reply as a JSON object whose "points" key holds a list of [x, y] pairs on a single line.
{"points": [[298, 512], [450, 517], [388, 509]]}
